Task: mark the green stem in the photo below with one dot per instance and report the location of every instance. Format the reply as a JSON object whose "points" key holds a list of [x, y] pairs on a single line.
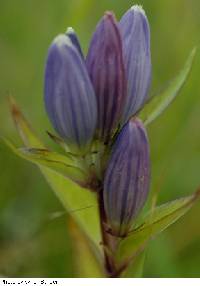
{"points": [[105, 238]]}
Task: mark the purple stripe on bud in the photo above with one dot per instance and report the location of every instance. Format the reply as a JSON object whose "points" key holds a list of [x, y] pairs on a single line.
{"points": [[127, 178], [74, 39], [106, 69], [69, 96], [135, 33]]}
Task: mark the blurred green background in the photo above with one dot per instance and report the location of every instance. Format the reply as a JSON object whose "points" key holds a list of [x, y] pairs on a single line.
{"points": [[30, 243]]}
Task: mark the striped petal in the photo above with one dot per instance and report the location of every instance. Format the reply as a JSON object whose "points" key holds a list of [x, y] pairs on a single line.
{"points": [[127, 178], [74, 39], [135, 33], [69, 95], [106, 69]]}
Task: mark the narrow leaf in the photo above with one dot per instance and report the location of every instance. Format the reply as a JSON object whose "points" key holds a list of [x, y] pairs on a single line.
{"points": [[154, 223], [23, 127], [79, 202], [58, 141], [52, 160], [157, 104]]}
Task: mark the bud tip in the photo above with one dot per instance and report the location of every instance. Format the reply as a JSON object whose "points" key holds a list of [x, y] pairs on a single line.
{"points": [[70, 30], [62, 39], [109, 14], [138, 8]]}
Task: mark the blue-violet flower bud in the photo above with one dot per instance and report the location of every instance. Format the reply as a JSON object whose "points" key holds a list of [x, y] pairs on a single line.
{"points": [[106, 69], [69, 96], [135, 33], [74, 39], [127, 178]]}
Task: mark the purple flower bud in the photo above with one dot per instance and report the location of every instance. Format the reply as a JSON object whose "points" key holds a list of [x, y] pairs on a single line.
{"points": [[69, 96], [106, 69], [74, 39], [127, 178], [135, 33]]}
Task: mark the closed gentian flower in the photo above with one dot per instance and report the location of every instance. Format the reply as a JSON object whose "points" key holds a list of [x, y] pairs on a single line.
{"points": [[119, 65], [135, 33], [69, 96], [127, 178], [106, 69]]}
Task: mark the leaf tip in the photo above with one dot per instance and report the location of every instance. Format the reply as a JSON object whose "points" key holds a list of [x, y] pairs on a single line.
{"points": [[13, 108], [55, 138]]}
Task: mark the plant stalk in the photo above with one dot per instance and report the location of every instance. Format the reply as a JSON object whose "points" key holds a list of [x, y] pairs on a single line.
{"points": [[107, 240]]}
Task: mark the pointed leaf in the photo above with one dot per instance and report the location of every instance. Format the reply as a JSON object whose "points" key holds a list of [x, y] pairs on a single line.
{"points": [[154, 223], [157, 104], [79, 202], [54, 161], [23, 127], [58, 141]]}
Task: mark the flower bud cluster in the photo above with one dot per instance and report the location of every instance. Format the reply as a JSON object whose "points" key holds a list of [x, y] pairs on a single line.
{"points": [[93, 100]]}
